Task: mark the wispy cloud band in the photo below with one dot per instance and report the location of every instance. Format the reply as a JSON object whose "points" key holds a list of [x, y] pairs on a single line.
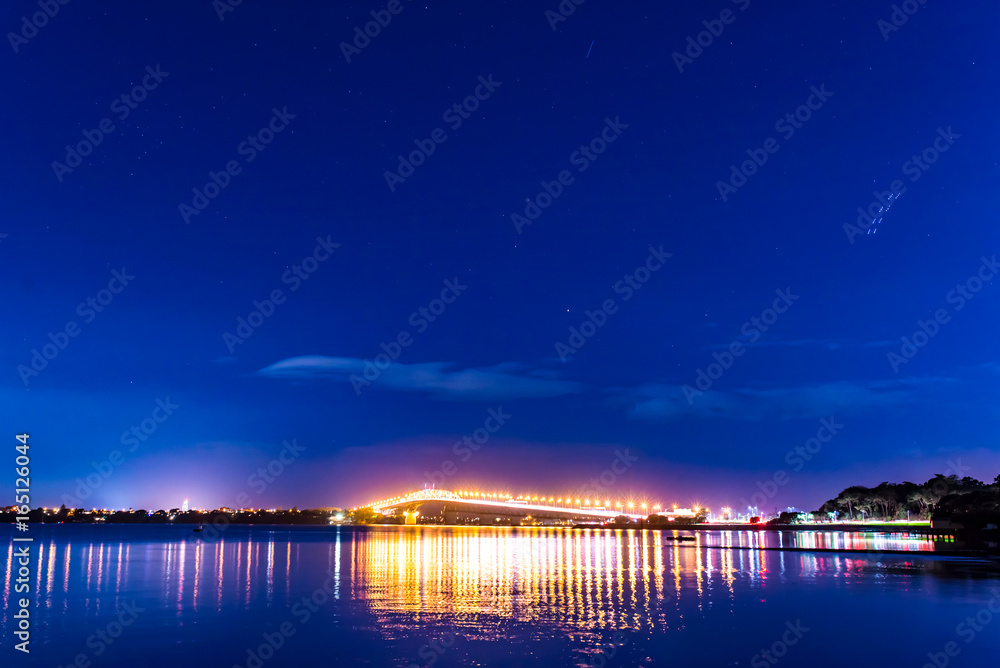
{"points": [[443, 380]]}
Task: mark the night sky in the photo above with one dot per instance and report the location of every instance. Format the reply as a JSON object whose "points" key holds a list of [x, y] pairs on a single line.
{"points": [[592, 172]]}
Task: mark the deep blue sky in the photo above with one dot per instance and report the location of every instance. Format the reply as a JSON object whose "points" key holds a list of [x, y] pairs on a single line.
{"points": [[655, 185]]}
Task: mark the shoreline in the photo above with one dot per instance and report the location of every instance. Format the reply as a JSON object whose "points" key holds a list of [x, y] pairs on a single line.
{"points": [[984, 556]]}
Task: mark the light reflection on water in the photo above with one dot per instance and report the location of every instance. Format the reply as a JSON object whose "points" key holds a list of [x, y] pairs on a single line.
{"points": [[587, 578], [397, 584]]}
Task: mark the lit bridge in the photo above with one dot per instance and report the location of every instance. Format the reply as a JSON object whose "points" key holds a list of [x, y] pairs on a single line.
{"points": [[488, 508]]}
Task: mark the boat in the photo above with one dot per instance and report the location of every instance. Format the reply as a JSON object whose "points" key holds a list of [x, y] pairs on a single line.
{"points": [[199, 528]]}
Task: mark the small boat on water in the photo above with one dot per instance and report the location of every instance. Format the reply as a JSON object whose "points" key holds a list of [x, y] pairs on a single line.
{"points": [[199, 528]]}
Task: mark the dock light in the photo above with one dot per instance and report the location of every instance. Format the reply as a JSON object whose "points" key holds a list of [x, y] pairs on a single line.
{"points": [[578, 502], [607, 502], [618, 505], [656, 507], [559, 501], [631, 505], [550, 499], [644, 506]]}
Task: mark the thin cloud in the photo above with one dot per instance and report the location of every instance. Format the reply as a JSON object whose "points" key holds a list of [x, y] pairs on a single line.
{"points": [[662, 402], [443, 380], [826, 344]]}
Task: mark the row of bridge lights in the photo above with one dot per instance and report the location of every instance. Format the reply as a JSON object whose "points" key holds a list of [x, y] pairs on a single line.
{"points": [[569, 501], [396, 499], [495, 496]]}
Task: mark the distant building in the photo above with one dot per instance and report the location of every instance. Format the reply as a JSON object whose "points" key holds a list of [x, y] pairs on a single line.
{"points": [[184, 508]]}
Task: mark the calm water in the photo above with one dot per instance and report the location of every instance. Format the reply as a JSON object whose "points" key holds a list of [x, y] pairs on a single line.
{"points": [[466, 596]]}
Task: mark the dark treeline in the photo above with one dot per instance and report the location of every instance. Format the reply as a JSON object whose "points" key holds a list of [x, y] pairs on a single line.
{"points": [[940, 497], [79, 515]]}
